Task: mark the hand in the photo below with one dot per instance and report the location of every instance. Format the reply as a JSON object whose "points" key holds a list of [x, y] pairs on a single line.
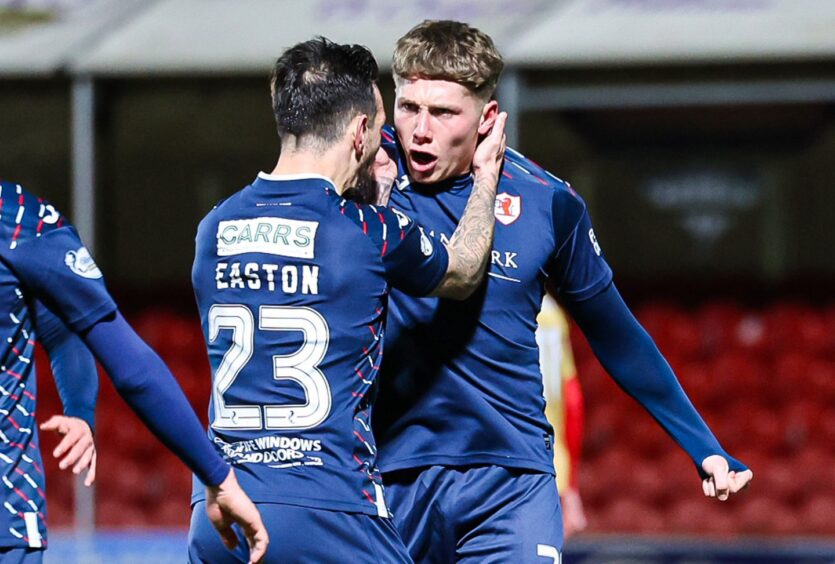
{"points": [[77, 443], [385, 173], [227, 504], [573, 515], [722, 482], [489, 155]]}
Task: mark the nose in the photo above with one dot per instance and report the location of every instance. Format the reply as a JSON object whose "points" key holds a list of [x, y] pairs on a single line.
{"points": [[422, 132]]}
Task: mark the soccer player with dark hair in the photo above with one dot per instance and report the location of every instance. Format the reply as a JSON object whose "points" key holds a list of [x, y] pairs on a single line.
{"points": [[43, 260], [467, 458], [292, 282]]}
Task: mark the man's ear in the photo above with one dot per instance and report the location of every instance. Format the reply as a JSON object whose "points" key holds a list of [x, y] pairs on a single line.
{"points": [[488, 117], [360, 130]]}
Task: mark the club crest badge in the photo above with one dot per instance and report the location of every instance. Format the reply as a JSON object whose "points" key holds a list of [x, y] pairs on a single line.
{"points": [[508, 208], [82, 264]]}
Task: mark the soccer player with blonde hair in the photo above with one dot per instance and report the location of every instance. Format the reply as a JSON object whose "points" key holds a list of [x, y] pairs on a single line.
{"points": [[468, 458]]}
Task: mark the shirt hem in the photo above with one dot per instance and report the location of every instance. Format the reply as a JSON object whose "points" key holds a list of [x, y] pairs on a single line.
{"points": [[328, 505], [84, 322], [469, 460], [590, 291]]}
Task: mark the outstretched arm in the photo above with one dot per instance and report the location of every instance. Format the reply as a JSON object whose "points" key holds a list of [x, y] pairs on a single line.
{"points": [[150, 389], [470, 244], [628, 353], [147, 385]]}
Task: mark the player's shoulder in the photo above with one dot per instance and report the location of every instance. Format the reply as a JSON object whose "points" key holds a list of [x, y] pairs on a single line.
{"points": [[369, 216], [229, 205], [524, 173], [384, 226], [224, 208], [24, 215]]}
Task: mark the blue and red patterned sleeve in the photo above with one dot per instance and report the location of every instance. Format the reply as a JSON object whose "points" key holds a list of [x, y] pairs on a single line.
{"points": [[414, 263]]}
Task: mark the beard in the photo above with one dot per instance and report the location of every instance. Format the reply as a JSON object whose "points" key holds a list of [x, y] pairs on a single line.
{"points": [[364, 190]]}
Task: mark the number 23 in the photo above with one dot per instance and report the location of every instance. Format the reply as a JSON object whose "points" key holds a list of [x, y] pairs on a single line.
{"points": [[300, 367]]}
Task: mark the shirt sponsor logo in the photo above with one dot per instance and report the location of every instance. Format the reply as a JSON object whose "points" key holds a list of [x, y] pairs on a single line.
{"points": [[269, 235], [82, 264], [274, 451], [508, 208], [504, 259]]}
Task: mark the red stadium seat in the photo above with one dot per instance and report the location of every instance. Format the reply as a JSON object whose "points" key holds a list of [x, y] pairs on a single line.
{"points": [[824, 432], [717, 323], [750, 333], [818, 514], [630, 515], [799, 419], [645, 437], [782, 480], [696, 514], [760, 515], [819, 380], [604, 424]]}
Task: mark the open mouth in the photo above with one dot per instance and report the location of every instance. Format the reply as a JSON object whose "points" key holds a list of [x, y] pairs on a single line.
{"points": [[422, 160]]}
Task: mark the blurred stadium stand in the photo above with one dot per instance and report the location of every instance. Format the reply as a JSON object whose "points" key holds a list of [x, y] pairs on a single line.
{"points": [[700, 132]]}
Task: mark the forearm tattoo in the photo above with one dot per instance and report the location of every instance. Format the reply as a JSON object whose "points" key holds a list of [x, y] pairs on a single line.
{"points": [[470, 244]]}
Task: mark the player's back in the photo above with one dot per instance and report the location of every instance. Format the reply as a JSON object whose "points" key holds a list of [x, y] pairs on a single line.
{"points": [[291, 291]]}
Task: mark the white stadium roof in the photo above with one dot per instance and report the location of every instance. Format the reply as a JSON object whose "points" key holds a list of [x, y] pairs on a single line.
{"points": [[134, 37]]}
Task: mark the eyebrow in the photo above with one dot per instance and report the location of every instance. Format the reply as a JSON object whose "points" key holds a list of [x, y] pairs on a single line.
{"points": [[451, 108]]}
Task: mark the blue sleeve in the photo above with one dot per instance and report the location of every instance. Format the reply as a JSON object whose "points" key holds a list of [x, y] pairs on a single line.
{"points": [[413, 262], [58, 270], [630, 356], [150, 389], [73, 366], [578, 270]]}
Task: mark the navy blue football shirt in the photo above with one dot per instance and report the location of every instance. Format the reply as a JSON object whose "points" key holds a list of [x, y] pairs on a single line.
{"points": [[41, 257], [292, 283], [465, 375]]}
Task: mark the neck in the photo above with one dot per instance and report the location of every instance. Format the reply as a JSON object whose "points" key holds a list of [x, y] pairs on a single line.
{"points": [[330, 164]]}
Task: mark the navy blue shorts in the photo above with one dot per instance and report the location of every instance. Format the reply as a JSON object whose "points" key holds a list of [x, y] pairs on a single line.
{"points": [[477, 514], [303, 535]]}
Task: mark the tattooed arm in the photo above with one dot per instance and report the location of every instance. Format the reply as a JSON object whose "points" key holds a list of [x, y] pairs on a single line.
{"points": [[385, 172], [470, 244]]}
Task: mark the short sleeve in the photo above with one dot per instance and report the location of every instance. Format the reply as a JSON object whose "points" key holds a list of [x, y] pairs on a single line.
{"points": [[57, 269], [578, 271]]}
